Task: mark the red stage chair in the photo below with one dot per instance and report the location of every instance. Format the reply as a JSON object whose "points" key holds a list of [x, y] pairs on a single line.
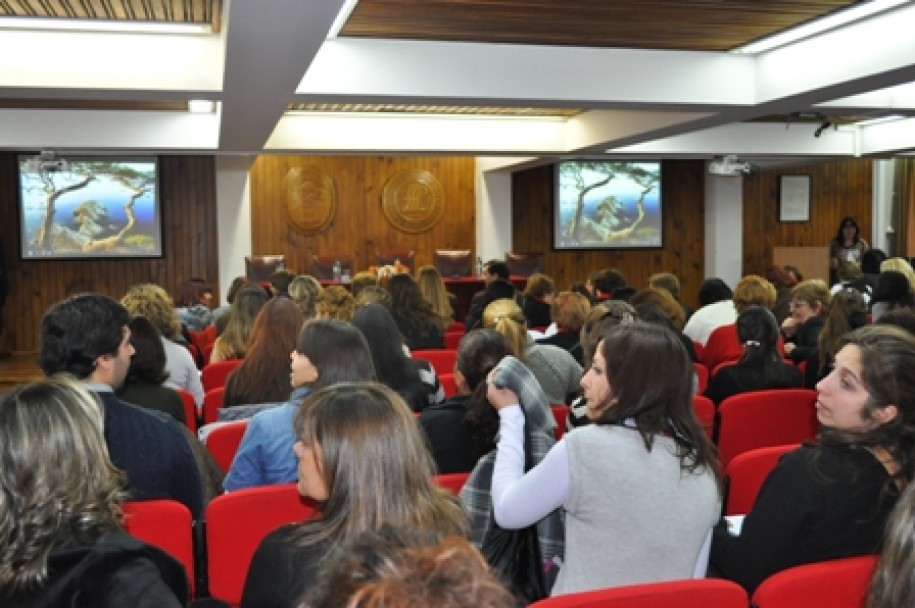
{"points": [[441, 359], [165, 524], [691, 593], [190, 409], [223, 442], [212, 401], [561, 414], [235, 525], [704, 408], [388, 258], [524, 264], [838, 583], [448, 384], [452, 482], [214, 375], [322, 266], [760, 419], [746, 473], [453, 263]]}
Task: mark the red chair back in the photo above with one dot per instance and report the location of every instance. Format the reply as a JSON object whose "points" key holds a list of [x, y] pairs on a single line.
{"points": [[838, 583], [452, 339], [190, 409], [223, 442], [165, 524], [214, 375], [561, 414], [212, 401], [701, 377], [448, 384], [441, 359], [760, 419], [455, 327], [692, 593], [452, 482], [237, 522], [746, 473], [704, 409]]}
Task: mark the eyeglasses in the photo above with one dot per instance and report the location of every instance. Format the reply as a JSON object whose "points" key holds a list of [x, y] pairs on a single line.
{"points": [[798, 304]]}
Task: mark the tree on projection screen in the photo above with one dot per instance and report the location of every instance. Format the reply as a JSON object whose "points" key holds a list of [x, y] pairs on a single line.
{"points": [[607, 205], [96, 208]]}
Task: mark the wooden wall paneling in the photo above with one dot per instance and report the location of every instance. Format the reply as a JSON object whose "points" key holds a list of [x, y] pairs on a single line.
{"points": [[188, 197], [904, 186], [837, 189], [684, 226]]}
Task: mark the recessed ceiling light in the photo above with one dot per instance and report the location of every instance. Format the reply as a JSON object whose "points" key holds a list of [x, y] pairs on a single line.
{"points": [[201, 106]]}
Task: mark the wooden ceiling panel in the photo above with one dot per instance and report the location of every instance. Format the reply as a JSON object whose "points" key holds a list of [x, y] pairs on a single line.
{"points": [[199, 12]]}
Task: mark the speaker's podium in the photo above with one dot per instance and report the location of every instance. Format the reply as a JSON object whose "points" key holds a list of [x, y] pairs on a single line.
{"points": [[813, 262]]}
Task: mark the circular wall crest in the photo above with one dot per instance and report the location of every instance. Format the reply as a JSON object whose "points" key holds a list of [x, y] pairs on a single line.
{"points": [[310, 197], [413, 201]]}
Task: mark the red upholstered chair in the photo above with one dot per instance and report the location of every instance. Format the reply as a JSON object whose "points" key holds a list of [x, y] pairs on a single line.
{"points": [[448, 384], [235, 525], [765, 418], [441, 359], [223, 442], [388, 258], [691, 593], [190, 409], [452, 339], [455, 326], [561, 414], [165, 524], [214, 375], [212, 401], [701, 376], [453, 263], [453, 482], [838, 583], [322, 266], [704, 408], [524, 264], [746, 473]]}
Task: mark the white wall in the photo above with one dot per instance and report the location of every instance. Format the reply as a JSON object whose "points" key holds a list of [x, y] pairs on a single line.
{"points": [[233, 222], [494, 206], [724, 228]]}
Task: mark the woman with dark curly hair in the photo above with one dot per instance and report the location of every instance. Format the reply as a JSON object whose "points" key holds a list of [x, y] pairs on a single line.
{"points": [[62, 541], [420, 326]]}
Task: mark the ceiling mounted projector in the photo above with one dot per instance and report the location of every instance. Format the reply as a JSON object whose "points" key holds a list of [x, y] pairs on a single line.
{"points": [[46, 162], [729, 166]]}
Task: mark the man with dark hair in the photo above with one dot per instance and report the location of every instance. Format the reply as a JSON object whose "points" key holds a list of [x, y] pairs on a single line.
{"points": [[493, 270], [608, 284], [87, 336], [716, 309]]}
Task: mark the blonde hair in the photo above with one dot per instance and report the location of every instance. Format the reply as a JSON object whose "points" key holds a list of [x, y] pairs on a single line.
{"points": [[337, 303], [900, 265], [753, 290], [433, 289], [663, 300], [304, 291], [151, 301], [507, 318], [361, 280]]}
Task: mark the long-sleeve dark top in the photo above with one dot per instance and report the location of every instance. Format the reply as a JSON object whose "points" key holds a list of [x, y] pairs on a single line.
{"points": [[818, 503], [805, 338], [448, 437], [153, 396], [742, 378]]}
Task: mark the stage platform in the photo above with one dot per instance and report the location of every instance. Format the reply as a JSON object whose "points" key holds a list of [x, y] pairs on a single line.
{"points": [[19, 368]]}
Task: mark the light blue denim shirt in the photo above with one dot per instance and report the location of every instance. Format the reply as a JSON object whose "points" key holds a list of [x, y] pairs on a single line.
{"points": [[265, 455]]}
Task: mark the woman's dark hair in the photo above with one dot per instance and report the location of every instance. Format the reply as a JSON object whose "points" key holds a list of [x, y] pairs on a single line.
{"points": [[392, 366], [713, 290], [148, 361], [337, 350], [847, 311], [407, 302], [847, 221], [871, 260], [655, 403], [899, 317], [894, 289], [758, 331], [479, 351]]}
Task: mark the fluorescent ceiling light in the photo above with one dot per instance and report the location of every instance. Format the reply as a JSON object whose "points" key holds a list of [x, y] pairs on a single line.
{"points": [[345, 11], [201, 106], [856, 12], [99, 25]]}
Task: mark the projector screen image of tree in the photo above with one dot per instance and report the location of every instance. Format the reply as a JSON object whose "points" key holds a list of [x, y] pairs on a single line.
{"points": [[92, 208], [607, 205]]}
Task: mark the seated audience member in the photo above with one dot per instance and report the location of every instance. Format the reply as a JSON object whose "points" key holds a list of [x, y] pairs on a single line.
{"points": [[847, 312], [663, 300], [903, 318], [716, 308], [219, 314], [555, 369], [420, 326], [195, 298], [645, 442], [794, 272], [539, 424], [722, 344], [415, 380], [569, 312], [538, 299], [398, 567], [900, 265], [279, 282], [870, 265], [782, 281], [893, 291], [761, 367], [497, 289], [304, 291], [809, 304], [263, 377], [335, 302], [143, 384], [492, 270], [831, 499], [601, 318], [154, 303], [328, 351], [87, 336], [233, 343], [373, 294], [61, 535], [432, 288], [670, 282], [458, 436], [893, 583], [649, 312], [362, 457], [361, 280], [849, 276], [603, 284]]}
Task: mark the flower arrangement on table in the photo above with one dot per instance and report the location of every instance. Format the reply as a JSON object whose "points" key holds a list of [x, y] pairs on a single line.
{"points": [[387, 271]]}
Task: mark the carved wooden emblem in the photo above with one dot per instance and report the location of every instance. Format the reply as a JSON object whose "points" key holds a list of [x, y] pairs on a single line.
{"points": [[311, 198], [413, 201]]}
